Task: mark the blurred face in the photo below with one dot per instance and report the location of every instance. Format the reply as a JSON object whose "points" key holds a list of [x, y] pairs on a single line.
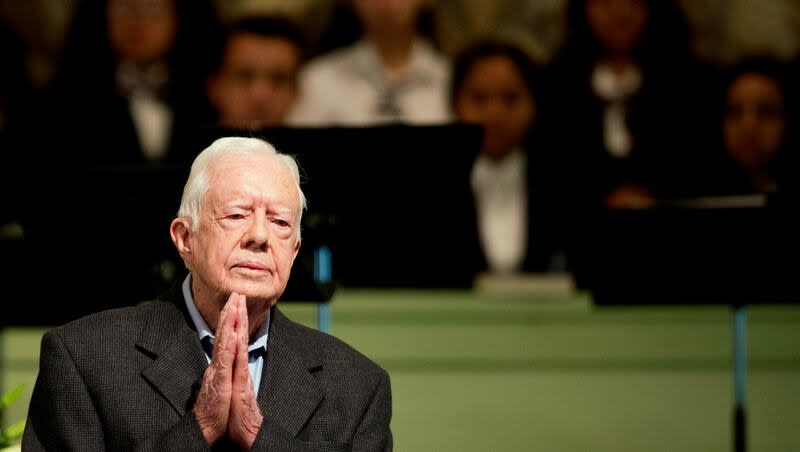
{"points": [[388, 15], [247, 238], [141, 30], [617, 24], [495, 95], [754, 123], [257, 84]]}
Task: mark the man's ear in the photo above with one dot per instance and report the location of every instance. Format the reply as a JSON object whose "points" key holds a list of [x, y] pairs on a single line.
{"points": [[180, 231], [296, 249]]}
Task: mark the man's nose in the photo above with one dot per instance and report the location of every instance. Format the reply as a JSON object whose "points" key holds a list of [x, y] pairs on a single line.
{"points": [[257, 235]]}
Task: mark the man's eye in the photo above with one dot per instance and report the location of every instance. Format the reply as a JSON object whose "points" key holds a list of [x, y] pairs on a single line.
{"points": [[235, 216], [281, 223]]}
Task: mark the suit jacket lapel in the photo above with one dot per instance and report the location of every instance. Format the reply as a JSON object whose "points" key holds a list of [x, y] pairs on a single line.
{"points": [[289, 393], [170, 338]]}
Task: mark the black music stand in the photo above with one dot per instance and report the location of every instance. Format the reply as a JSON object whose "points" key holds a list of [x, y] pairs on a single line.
{"points": [[389, 206], [100, 235], [725, 251], [392, 203]]}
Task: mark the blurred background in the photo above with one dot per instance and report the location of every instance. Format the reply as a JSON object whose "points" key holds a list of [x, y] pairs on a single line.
{"points": [[547, 218], [724, 30]]}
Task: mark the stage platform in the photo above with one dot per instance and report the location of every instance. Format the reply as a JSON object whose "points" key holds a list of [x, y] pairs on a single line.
{"points": [[549, 372]]}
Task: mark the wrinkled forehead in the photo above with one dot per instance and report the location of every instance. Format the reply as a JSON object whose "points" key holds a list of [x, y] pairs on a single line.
{"points": [[260, 176]]}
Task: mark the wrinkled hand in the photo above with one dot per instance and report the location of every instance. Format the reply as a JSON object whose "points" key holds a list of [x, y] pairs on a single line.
{"points": [[226, 402], [245, 418], [214, 400]]}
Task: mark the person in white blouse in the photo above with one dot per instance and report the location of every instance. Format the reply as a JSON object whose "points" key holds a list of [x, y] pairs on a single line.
{"points": [[391, 74], [494, 85]]}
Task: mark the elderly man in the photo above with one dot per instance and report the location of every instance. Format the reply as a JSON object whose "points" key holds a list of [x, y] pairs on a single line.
{"points": [[213, 363]]}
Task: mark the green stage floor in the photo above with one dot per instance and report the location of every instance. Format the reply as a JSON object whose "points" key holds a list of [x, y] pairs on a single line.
{"points": [[547, 373]]}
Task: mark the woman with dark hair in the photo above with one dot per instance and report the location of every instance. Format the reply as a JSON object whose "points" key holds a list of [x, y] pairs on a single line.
{"points": [[626, 119], [132, 76], [627, 105], [756, 117], [496, 85]]}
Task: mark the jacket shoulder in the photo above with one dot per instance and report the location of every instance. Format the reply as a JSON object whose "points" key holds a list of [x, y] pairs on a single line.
{"points": [[329, 350], [109, 325]]}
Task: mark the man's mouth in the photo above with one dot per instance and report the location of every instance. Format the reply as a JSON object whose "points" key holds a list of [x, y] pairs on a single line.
{"points": [[252, 266]]}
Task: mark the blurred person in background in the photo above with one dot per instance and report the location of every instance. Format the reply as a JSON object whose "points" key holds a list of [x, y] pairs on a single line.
{"points": [[255, 83], [132, 73], [497, 85], [391, 74], [628, 103], [756, 117], [628, 119]]}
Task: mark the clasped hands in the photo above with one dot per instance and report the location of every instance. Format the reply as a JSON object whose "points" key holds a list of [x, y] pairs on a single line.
{"points": [[226, 403]]}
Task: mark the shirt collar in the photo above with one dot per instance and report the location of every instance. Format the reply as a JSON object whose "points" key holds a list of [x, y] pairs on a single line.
{"points": [[202, 328], [509, 166], [499, 177], [612, 86], [366, 62]]}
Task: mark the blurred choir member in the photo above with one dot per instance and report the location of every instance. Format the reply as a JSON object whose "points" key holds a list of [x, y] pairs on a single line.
{"points": [[255, 83], [628, 108], [391, 74], [496, 85], [756, 128], [133, 73]]}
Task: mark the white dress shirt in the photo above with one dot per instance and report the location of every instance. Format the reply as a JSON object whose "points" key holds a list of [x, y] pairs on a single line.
{"points": [[501, 201], [616, 89], [255, 360], [350, 87], [152, 116]]}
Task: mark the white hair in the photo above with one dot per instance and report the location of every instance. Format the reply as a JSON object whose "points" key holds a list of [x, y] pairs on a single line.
{"points": [[196, 187]]}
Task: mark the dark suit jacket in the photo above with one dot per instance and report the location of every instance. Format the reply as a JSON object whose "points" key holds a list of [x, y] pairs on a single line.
{"points": [[126, 379]]}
